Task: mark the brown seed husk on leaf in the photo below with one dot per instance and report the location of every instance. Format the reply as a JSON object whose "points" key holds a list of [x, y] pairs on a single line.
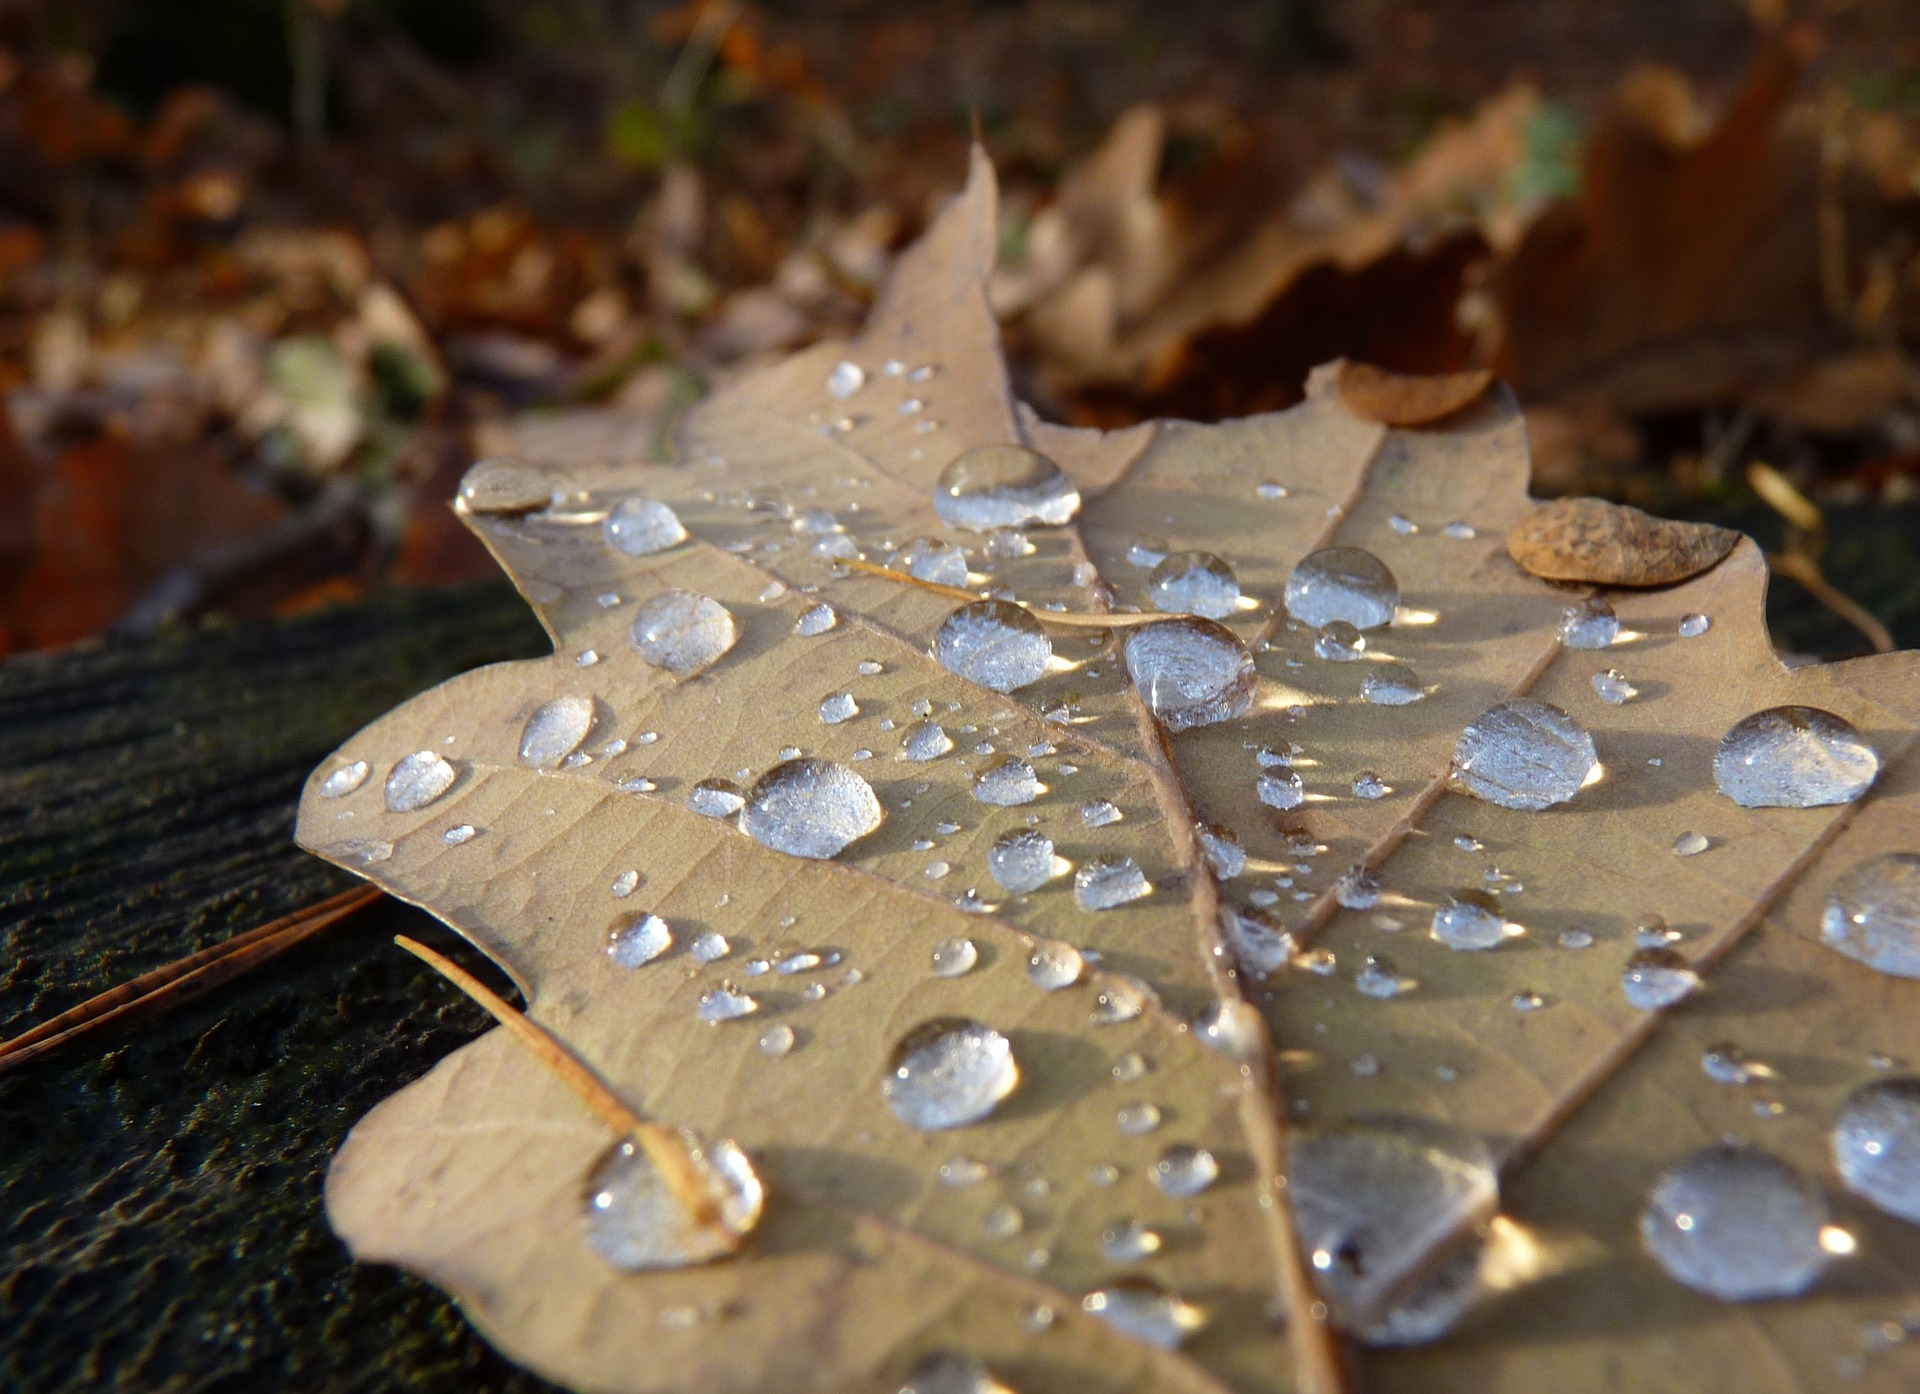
{"points": [[1612, 544], [1408, 399]]}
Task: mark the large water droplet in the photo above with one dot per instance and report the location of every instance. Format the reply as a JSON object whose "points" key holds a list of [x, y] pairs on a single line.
{"points": [[640, 942], [1656, 978], [1523, 754], [1004, 486], [418, 779], [1053, 965], [1145, 1311], [994, 643], [1008, 783], [1737, 1224], [1873, 914], [1392, 685], [1794, 757], [1108, 882], [1470, 919], [1261, 948], [344, 780], [1184, 1171], [1372, 1200], [683, 632], [1194, 583], [948, 1073], [930, 559], [810, 808], [641, 527], [949, 1372], [1591, 624], [503, 485], [1022, 860], [635, 1221], [1876, 1145], [1342, 583], [555, 730], [1190, 672]]}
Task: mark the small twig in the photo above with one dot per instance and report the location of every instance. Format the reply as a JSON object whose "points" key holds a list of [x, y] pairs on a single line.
{"points": [[1796, 567], [664, 1146], [1071, 619], [183, 979], [1806, 540]]}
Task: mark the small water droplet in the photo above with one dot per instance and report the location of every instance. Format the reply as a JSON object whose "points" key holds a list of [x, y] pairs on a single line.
{"points": [[1106, 883], [1340, 642], [1459, 531], [417, 780], [639, 942], [949, 1072], [1794, 757], [1470, 919], [1876, 1145], [1613, 688], [1022, 860], [1523, 754], [1693, 626], [1007, 783], [1392, 685], [993, 643], [636, 1222], [1343, 584], [458, 834], [1053, 965], [1380, 977], [1224, 853], [954, 957], [1592, 624], [1527, 1000], [1657, 978], [1232, 1028], [837, 707], [365, 850], [1129, 1241], [798, 963], [951, 1372], [683, 632], [1004, 544], [1145, 1311], [1138, 1118], [710, 947], [1194, 583], [1726, 1063], [1321, 962], [1271, 489], [1872, 914], [1357, 889], [930, 559], [810, 808], [1130, 1067], [587, 658], [1282, 789], [1260, 947], [1002, 1222], [1365, 1066], [1736, 1223], [1190, 672], [723, 1003], [1368, 785], [1004, 486], [1691, 844], [555, 730], [776, 1040], [1099, 813], [344, 780], [1121, 998], [817, 619], [1184, 1171], [1575, 939], [1406, 527], [845, 379], [925, 740], [958, 1173], [640, 527]]}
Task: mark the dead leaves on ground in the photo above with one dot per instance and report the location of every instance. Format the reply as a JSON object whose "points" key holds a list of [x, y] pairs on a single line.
{"points": [[869, 1259]]}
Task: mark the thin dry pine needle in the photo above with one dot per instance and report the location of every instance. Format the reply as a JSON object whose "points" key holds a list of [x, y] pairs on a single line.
{"points": [[664, 1146], [1070, 619]]}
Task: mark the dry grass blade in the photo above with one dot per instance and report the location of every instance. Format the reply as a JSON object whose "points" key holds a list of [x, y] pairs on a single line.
{"points": [[1071, 619], [185, 978]]}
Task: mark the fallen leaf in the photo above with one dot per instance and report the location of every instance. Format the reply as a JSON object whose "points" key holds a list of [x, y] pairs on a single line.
{"points": [[1614, 544], [1405, 399], [562, 817]]}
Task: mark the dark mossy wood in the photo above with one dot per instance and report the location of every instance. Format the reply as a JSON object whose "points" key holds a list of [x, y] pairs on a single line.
{"points": [[160, 1213]]}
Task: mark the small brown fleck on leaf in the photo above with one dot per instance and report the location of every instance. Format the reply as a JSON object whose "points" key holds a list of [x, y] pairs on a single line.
{"points": [[1611, 544], [1406, 399]]}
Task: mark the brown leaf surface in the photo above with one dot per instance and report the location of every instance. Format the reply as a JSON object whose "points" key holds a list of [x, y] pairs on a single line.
{"points": [[1407, 399], [1614, 544], [474, 1175]]}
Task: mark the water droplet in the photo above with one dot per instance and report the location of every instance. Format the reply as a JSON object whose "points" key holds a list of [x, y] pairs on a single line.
{"points": [[817, 619], [1137, 1119], [1321, 962], [1022, 860], [1194, 583], [954, 957], [1371, 1199], [1232, 1028], [1406, 527], [1003, 544], [640, 942], [1130, 1067], [587, 658], [950, 1372], [711, 947], [1368, 785], [1184, 1171], [1657, 978], [994, 643], [365, 850], [1261, 948], [459, 834], [1108, 882], [1099, 813], [1380, 977], [715, 798], [776, 1040], [1053, 965], [1129, 1241], [1392, 685], [1007, 783], [1693, 626], [505, 485], [1340, 642], [1794, 757], [1122, 998], [1522, 754], [1876, 1145], [1592, 624], [949, 1072], [1282, 789], [1145, 1311], [1365, 1066], [1459, 531], [683, 632], [1726, 1063], [344, 780], [802, 962], [641, 527], [1872, 914], [1002, 1222], [1224, 853], [1470, 919], [1004, 486], [929, 559], [1342, 583], [555, 731], [635, 1221], [723, 1003], [1190, 672], [1736, 1223], [960, 1172], [810, 808], [1357, 889], [1527, 1000], [1691, 844], [925, 740], [1613, 688], [837, 707], [845, 379], [417, 780]]}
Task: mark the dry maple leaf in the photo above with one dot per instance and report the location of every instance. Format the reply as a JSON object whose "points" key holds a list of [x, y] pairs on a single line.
{"points": [[545, 806]]}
